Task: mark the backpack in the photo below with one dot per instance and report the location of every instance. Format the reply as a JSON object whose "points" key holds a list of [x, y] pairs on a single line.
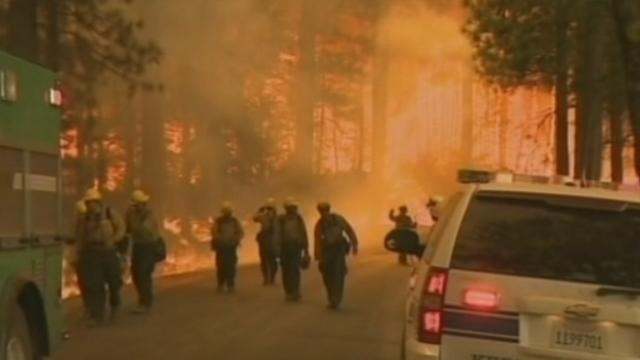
{"points": [[333, 231], [267, 219], [121, 245], [227, 232], [292, 228]]}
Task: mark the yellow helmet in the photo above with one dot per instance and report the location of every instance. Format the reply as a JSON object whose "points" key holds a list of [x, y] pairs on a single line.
{"points": [[93, 194], [227, 206], [324, 206], [290, 202], [140, 197], [81, 207], [435, 201]]}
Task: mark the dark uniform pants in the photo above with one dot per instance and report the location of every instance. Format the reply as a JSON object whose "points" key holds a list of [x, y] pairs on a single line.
{"points": [[333, 267], [226, 262], [291, 261], [403, 259], [143, 264], [101, 270], [82, 285], [268, 259]]}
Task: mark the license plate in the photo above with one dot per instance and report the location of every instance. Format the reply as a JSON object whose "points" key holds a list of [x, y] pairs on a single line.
{"points": [[585, 341]]}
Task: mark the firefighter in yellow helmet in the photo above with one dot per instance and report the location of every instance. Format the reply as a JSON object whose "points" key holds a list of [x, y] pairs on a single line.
{"points": [[98, 234], [143, 230], [266, 237], [334, 240], [293, 247], [226, 235]]}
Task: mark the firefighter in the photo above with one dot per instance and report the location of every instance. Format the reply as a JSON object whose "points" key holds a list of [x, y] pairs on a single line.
{"points": [[402, 221], [143, 230], [100, 264], [334, 240], [226, 235], [81, 213], [435, 207], [293, 248], [266, 217]]}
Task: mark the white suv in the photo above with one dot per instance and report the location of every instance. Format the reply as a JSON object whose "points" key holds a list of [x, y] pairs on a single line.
{"points": [[518, 271]]}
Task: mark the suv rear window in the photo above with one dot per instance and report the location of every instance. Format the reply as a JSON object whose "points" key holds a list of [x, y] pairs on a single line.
{"points": [[560, 238]]}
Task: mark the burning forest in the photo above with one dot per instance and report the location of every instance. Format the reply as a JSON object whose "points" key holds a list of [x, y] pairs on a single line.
{"points": [[335, 100]]}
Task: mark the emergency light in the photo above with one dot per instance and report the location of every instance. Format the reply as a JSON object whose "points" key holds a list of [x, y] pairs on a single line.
{"points": [[467, 176], [8, 86], [470, 176], [55, 97]]}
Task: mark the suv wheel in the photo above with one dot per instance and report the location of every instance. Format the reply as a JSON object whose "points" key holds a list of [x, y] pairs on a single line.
{"points": [[19, 344]]}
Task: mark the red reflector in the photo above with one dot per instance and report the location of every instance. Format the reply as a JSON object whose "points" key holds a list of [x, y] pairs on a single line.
{"points": [[437, 283], [486, 300], [433, 322]]}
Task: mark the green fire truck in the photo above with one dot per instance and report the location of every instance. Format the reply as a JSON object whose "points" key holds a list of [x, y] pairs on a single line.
{"points": [[30, 210]]}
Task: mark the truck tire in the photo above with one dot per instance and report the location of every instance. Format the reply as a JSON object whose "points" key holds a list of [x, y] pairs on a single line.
{"points": [[19, 344]]}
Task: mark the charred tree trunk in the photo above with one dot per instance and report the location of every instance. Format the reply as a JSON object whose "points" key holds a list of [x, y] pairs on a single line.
{"points": [[80, 164], [53, 33], [503, 129], [153, 152], [186, 190], [380, 99], [467, 115], [306, 87], [562, 90], [131, 145], [627, 13], [592, 40], [22, 28], [320, 139], [578, 152], [359, 148], [102, 163], [617, 146], [616, 107]]}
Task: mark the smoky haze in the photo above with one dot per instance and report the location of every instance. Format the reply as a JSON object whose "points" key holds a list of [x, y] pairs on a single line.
{"points": [[226, 125]]}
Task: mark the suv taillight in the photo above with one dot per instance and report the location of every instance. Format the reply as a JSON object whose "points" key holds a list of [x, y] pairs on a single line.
{"points": [[481, 300], [432, 303]]}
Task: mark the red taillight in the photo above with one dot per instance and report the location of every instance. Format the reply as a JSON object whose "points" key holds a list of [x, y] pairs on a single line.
{"points": [[431, 321], [481, 300], [437, 283]]}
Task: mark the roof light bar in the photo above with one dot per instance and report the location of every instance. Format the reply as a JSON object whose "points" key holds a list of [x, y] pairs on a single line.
{"points": [[466, 176]]}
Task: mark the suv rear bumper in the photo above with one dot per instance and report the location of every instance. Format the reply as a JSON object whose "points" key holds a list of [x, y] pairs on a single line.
{"points": [[414, 350]]}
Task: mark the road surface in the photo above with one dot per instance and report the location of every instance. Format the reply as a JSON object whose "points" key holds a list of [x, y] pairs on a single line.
{"points": [[192, 321]]}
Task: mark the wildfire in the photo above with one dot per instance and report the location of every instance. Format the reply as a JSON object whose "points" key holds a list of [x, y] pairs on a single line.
{"points": [[185, 256], [201, 229], [69, 144], [173, 226], [175, 135]]}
